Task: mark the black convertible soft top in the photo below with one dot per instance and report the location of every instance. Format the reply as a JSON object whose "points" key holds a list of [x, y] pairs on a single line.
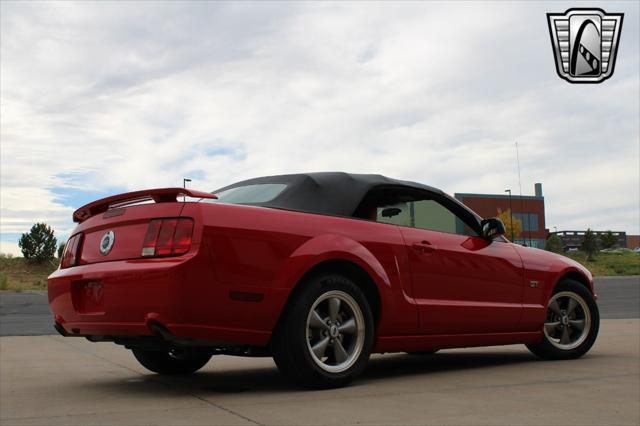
{"points": [[332, 193]]}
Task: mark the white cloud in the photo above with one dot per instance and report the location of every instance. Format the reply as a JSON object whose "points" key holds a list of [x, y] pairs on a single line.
{"points": [[7, 247], [97, 95]]}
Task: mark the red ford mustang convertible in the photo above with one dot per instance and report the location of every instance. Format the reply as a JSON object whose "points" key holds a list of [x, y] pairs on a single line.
{"points": [[318, 270]]}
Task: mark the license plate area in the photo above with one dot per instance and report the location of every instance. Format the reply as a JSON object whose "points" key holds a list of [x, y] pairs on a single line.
{"points": [[88, 297]]}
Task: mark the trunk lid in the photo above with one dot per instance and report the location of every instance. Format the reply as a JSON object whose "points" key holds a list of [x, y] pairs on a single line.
{"points": [[114, 228]]}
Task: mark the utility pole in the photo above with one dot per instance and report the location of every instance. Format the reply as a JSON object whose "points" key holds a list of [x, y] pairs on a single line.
{"points": [[510, 212], [521, 199], [184, 185]]}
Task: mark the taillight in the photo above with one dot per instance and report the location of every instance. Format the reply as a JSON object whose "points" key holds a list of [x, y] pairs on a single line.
{"points": [[151, 238], [71, 251], [167, 237], [182, 237]]}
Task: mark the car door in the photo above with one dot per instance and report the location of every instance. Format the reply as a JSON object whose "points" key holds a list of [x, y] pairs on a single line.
{"points": [[462, 283]]}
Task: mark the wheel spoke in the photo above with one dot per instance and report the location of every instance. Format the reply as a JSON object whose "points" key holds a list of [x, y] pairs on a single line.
{"points": [[316, 321], [571, 306], [348, 327], [334, 308], [338, 351], [321, 347], [577, 324], [553, 306], [335, 331], [551, 327], [565, 338]]}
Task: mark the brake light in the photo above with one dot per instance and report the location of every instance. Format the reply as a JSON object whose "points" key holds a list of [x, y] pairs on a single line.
{"points": [[167, 237], [71, 251], [182, 237], [151, 238]]}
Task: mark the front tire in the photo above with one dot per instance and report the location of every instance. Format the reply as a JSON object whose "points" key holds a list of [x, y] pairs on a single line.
{"points": [[571, 325], [173, 362], [325, 336]]}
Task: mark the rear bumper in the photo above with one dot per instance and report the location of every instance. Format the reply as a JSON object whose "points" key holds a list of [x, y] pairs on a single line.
{"points": [[129, 298]]}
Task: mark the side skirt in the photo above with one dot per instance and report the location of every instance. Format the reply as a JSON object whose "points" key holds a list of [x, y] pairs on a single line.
{"points": [[442, 341]]}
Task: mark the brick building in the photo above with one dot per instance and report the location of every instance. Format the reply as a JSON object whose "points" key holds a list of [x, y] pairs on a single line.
{"points": [[529, 209]]}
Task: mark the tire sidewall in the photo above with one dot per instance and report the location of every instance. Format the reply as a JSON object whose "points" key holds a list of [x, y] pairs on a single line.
{"points": [[309, 371], [546, 349]]}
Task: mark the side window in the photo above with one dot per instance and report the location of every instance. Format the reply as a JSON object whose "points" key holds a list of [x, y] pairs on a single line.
{"points": [[395, 214], [413, 210], [434, 216]]}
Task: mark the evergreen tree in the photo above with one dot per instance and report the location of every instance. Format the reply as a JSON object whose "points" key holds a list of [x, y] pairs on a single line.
{"points": [[554, 244], [39, 244], [608, 240], [590, 244]]}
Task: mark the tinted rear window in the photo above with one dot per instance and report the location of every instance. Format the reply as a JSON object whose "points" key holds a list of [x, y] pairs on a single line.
{"points": [[251, 194]]}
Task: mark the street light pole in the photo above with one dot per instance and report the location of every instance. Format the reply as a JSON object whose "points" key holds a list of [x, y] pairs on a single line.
{"points": [[510, 212], [184, 185]]}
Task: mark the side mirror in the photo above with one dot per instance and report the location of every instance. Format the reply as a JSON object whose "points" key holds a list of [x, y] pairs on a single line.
{"points": [[492, 227]]}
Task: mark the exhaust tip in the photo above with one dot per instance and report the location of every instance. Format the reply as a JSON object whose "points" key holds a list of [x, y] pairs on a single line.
{"points": [[160, 330]]}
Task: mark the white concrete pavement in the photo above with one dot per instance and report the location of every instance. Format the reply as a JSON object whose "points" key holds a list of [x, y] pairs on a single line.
{"points": [[48, 380]]}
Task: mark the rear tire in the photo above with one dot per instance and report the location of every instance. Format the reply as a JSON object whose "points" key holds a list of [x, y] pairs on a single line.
{"points": [[325, 335], [571, 324], [172, 362]]}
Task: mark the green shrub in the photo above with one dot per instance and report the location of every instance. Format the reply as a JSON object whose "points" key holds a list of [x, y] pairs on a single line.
{"points": [[554, 244], [608, 240], [60, 250], [4, 282]]}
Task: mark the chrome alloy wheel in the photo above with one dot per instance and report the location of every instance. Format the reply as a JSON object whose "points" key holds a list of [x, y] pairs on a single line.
{"points": [[335, 331], [568, 320]]}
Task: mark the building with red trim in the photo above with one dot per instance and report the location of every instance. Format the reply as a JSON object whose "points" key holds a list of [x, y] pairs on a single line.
{"points": [[528, 209]]}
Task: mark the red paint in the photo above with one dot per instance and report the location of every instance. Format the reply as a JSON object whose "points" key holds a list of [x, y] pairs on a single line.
{"points": [[436, 289]]}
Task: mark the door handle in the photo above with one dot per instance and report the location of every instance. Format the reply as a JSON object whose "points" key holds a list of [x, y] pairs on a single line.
{"points": [[424, 246]]}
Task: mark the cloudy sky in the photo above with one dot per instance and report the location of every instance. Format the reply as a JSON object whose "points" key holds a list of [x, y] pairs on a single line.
{"points": [[106, 97]]}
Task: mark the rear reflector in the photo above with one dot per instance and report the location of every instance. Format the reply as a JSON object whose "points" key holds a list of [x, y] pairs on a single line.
{"points": [[71, 252], [168, 237]]}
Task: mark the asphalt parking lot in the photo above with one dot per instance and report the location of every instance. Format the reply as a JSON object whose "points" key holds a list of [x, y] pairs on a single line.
{"points": [[49, 379]]}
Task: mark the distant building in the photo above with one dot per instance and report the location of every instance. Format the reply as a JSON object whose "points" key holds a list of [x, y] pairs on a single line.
{"points": [[528, 209], [574, 239], [633, 241]]}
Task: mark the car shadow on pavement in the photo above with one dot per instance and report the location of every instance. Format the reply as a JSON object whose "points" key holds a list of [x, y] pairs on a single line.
{"points": [[441, 362], [256, 380]]}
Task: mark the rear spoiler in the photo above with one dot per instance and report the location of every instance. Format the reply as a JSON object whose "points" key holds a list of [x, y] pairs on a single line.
{"points": [[160, 195]]}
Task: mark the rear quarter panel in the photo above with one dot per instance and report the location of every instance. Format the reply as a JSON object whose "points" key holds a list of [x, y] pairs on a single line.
{"points": [[262, 251]]}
